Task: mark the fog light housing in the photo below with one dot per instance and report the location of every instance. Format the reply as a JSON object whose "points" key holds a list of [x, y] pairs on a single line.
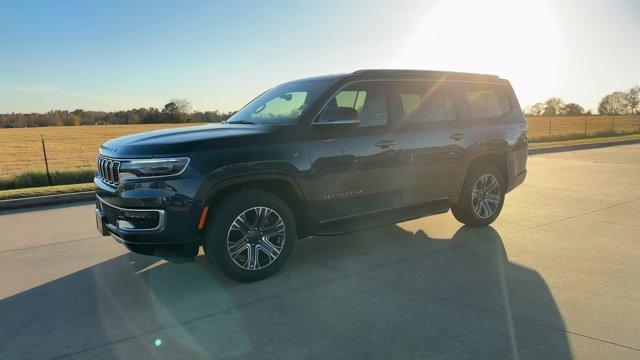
{"points": [[140, 220]]}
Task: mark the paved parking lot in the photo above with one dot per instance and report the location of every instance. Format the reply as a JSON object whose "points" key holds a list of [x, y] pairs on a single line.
{"points": [[555, 277]]}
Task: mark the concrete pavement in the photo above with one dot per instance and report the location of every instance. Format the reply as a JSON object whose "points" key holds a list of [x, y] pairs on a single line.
{"points": [[555, 277]]}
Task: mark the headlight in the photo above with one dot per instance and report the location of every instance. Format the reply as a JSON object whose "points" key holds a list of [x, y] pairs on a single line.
{"points": [[153, 167]]}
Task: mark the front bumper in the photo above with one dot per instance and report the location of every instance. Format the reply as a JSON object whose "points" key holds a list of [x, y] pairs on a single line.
{"points": [[149, 213], [128, 220]]}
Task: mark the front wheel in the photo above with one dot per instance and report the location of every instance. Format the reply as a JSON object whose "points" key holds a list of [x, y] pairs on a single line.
{"points": [[251, 235], [482, 196]]}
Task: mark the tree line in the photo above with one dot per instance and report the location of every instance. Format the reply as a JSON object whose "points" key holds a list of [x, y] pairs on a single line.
{"points": [[179, 111], [175, 111], [616, 103]]}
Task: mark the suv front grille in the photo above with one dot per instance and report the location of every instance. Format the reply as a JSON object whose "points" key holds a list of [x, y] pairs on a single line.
{"points": [[108, 170]]}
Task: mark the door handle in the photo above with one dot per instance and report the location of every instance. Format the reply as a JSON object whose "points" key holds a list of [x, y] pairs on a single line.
{"points": [[457, 136], [385, 143]]}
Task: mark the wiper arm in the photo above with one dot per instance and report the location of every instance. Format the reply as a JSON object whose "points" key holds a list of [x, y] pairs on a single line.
{"points": [[241, 122]]}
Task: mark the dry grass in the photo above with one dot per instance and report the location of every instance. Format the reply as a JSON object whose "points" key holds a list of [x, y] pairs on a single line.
{"points": [[68, 147], [47, 190]]}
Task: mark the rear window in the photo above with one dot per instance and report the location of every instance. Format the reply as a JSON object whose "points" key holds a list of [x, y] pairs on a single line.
{"points": [[486, 101]]}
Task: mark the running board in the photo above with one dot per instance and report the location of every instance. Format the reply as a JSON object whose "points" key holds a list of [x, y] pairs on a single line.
{"points": [[391, 216]]}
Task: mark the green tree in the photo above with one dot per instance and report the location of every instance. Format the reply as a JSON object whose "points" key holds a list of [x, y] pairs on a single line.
{"points": [[535, 110], [73, 120], [553, 107], [616, 103], [633, 98], [183, 105], [572, 109], [171, 108]]}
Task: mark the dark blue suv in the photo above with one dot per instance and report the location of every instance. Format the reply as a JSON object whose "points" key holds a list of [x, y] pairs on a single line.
{"points": [[318, 156]]}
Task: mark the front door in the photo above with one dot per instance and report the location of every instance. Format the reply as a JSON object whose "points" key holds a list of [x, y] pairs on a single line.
{"points": [[356, 168]]}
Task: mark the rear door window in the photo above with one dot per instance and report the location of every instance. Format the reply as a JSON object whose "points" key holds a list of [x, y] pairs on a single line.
{"points": [[426, 103], [486, 101]]}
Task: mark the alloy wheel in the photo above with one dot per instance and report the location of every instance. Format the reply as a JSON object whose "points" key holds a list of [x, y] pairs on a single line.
{"points": [[256, 238], [485, 198]]}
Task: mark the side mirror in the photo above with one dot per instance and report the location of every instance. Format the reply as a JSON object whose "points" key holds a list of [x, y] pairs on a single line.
{"points": [[339, 116]]}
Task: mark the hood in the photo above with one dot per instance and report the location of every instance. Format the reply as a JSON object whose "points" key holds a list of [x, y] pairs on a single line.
{"points": [[181, 140]]}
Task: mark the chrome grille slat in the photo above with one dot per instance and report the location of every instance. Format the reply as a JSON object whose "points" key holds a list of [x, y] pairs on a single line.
{"points": [[108, 170], [116, 172]]}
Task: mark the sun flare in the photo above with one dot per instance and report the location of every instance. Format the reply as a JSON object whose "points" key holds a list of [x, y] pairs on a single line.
{"points": [[517, 40]]}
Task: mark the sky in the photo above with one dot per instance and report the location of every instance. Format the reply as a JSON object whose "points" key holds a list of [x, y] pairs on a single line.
{"points": [[118, 55]]}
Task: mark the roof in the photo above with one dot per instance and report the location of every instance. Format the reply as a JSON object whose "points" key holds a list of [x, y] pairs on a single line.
{"points": [[425, 74], [407, 74]]}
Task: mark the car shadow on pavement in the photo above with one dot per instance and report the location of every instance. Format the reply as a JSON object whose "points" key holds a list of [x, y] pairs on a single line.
{"points": [[384, 292]]}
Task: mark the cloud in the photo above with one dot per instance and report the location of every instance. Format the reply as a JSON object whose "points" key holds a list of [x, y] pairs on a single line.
{"points": [[35, 89], [105, 98]]}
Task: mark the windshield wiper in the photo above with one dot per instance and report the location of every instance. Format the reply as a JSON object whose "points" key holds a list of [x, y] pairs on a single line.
{"points": [[241, 122]]}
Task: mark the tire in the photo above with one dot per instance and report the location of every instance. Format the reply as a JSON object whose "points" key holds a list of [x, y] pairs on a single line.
{"points": [[484, 208], [245, 244]]}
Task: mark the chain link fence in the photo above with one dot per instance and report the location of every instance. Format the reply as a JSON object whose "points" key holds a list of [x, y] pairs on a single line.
{"points": [[548, 128]]}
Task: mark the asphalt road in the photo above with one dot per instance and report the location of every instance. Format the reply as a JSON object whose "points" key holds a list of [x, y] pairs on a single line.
{"points": [[557, 276]]}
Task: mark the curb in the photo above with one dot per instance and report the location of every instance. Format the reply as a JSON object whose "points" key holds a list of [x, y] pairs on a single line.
{"points": [[560, 148], [46, 200]]}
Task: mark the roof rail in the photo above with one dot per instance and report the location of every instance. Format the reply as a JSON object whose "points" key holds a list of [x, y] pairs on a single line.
{"points": [[422, 73]]}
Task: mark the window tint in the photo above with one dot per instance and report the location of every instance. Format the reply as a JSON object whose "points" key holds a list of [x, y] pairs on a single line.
{"points": [[486, 102], [369, 101], [424, 103], [288, 105], [282, 104], [353, 99]]}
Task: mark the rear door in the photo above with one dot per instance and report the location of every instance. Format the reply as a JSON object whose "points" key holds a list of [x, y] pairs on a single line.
{"points": [[494, 122], [356, 169], [433, 141]]}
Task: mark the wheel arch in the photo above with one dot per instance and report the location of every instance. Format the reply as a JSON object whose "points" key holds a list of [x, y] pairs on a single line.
{"points": [[497, 158], [283, 186]]}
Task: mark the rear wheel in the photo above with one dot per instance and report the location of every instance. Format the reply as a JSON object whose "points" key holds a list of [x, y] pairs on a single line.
{"points": [[251, 235], [482, 196]]}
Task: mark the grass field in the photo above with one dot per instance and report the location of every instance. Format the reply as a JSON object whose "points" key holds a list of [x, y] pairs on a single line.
{"points": [[71, 150], [45, 190]]}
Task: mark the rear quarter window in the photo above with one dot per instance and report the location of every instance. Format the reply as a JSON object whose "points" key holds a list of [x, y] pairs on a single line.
{"points": [[486, 101]]}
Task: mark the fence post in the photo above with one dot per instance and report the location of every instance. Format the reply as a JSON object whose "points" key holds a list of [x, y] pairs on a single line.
{"points": [[586, 119], [613, 121], [549, 127], [46, 162]]}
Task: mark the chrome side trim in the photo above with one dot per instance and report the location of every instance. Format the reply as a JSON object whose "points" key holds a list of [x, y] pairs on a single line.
{"points": [[162, 219]]}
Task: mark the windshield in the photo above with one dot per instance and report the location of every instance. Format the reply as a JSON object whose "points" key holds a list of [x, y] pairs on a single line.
{"points": [[281, 105]]}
